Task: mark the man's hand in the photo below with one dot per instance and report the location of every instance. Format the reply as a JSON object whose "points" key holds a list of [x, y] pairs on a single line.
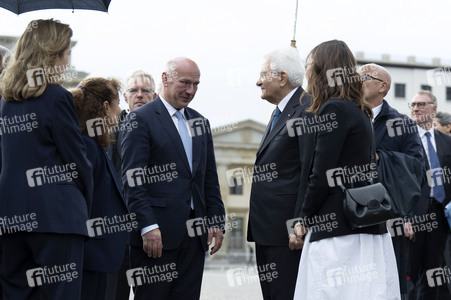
{"points": [[152, 244], [408, 230], [217, 234], [294, 244]]}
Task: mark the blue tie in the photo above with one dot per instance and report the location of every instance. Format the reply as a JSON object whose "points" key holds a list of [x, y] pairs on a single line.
{"points": [[275, 115], [186, 138], [437, 189]]}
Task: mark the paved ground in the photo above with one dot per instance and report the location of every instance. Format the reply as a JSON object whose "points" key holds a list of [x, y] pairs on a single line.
{"points": [[216, 285]]}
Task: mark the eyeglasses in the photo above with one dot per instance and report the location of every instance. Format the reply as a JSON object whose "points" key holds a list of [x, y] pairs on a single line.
{"points": [[420, 105], [143, 91], [268, 74], [366, 77]]}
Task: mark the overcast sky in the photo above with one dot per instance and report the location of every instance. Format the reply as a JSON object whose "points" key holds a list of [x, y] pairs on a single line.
{"points": [[229, 38]]}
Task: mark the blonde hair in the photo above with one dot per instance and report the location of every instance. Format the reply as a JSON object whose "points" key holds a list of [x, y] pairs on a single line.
{"points": [[38, 48]]}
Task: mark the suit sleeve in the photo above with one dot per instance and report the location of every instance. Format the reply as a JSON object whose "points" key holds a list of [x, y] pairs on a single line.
{"points": [[328, 149], [69, 142], [135, 152], [215, 206]]}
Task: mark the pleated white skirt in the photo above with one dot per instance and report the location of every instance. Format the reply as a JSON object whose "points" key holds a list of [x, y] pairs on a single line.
{"points": [[357, 266]]}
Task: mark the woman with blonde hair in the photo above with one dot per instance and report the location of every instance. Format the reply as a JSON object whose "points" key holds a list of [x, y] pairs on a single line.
{"points": [[45, 178], [339, 261], [97, 104]]}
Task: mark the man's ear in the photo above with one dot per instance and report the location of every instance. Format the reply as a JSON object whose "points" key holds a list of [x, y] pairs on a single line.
{"points": [[164, 79], [283, 79], [125, 97]]}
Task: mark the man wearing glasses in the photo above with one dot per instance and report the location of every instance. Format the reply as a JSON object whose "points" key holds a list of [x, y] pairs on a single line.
{"points": [[140, 89], [428, 252], [376, 84]]}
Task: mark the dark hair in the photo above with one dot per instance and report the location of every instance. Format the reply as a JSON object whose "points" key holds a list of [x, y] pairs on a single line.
{"points": [[443, 118], [326, 58], [89, 97]]}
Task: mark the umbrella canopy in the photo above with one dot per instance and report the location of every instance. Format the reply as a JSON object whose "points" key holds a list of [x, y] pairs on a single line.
{"points": [[22, 6]]}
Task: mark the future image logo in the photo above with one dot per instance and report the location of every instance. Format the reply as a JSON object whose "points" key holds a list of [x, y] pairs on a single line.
{"points": [[400, 126], [438, 276], [198, 127], [154, 274]]}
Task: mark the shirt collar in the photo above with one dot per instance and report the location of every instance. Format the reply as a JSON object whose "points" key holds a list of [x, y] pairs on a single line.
{"points": [[377, 110], [171, 109], [285, 100], [422, 132]]}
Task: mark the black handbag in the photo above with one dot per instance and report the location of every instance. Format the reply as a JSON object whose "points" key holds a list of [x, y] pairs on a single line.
{"points": [[367, 205]]}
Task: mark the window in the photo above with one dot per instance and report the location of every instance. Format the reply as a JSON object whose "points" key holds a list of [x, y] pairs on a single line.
{"points": [[448, 93], [426, 87], [400, 90], [236, 234], [236, 186]]}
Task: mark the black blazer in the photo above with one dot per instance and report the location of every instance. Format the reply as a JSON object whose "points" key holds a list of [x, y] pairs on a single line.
{"points": [[155, 142], [105, 250], [54, 143], [346, 146], [274, 202]]}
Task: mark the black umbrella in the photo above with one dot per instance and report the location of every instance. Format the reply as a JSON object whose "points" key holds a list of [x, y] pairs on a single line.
{"points": [[22, 6]]}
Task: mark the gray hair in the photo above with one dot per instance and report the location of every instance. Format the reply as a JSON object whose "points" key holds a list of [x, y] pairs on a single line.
{"points": [[140, 74], [429, 94], [443, 118], [287, 59]]}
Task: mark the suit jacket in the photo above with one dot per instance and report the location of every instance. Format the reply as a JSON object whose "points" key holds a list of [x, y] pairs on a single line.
{"points": [[443, 145], [274, 202], [155, 148], [346, 146], [104, 251], [38, 165]]}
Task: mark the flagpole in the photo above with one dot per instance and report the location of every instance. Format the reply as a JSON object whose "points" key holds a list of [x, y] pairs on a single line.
{"points": [[293, 41]]}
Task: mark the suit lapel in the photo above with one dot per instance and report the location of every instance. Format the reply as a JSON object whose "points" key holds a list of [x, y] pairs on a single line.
{"points": [[287, 113], [113, 174], [169, 126]]}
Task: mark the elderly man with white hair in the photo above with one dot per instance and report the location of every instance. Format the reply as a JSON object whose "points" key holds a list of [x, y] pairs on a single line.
{"points": [[284, 154]]}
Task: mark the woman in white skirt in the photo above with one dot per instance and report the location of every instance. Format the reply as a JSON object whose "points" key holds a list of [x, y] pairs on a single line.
{"points": [[339, 262]]}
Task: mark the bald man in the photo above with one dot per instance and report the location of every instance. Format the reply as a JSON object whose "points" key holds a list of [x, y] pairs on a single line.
{"points": [[171, 184], [391, 137]]}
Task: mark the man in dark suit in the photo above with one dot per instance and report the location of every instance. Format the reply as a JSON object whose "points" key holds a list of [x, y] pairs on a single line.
{"points": [[376, 84], [430, 245], [139, 90], [171, 184], [286, 148]]}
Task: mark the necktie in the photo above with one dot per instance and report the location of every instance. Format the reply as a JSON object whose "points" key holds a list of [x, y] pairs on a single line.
{"points": [[437, 189], [275, 117], [186, 138]]}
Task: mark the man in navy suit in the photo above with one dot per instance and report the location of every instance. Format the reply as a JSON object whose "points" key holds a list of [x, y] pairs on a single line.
{"points": [[428, 253], [171, 184], [376, 84], [286, 147]]}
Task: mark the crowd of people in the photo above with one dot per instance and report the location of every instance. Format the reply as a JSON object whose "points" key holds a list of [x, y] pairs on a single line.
{"points": [[95, 200]]}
